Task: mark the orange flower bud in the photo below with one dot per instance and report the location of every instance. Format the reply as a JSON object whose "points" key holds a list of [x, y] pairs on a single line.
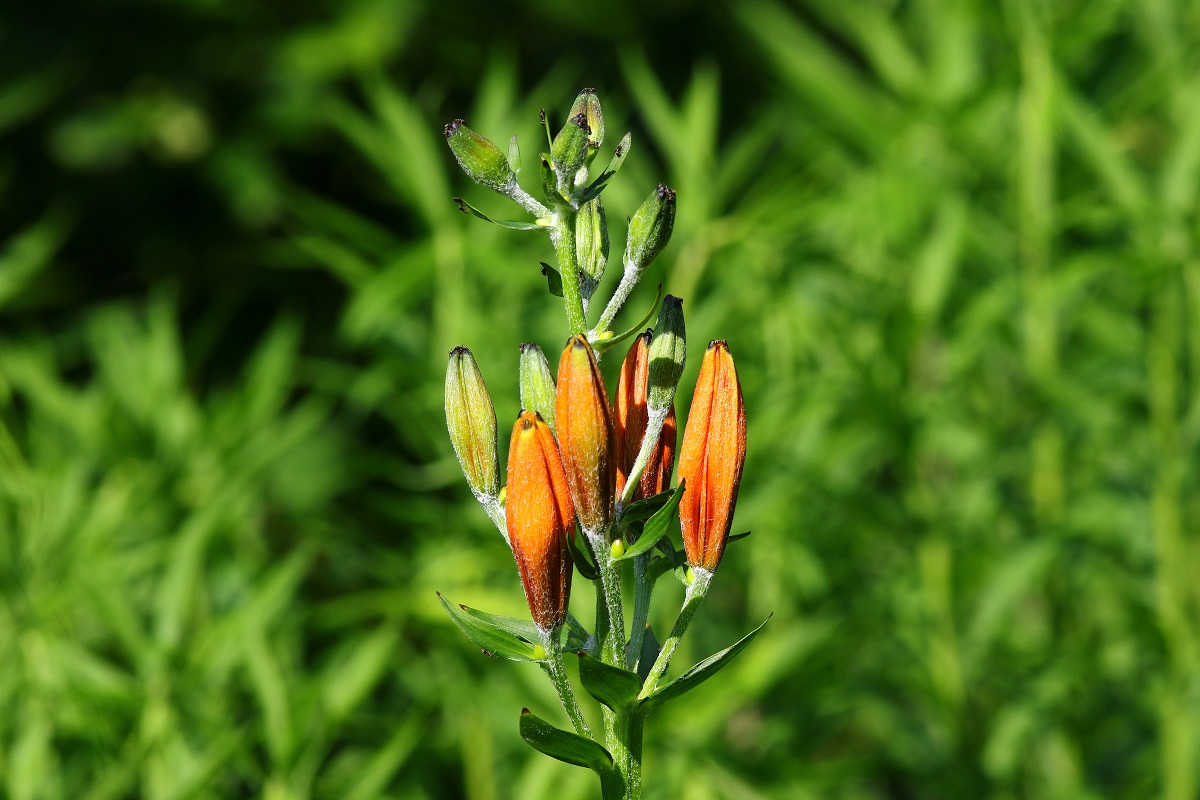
{"points": [[585, 435], [540, 516], [630, 419], [711, 458]]}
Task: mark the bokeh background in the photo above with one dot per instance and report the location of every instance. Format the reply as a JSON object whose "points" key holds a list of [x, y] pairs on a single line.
{"points": [[953, 245]]}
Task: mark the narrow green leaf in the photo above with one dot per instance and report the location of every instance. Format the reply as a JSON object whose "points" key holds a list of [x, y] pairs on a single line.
{"points": [[650, 650], [553, 279], [562, 745], [511, 224], [521, 628], [699, 673], [645, 507], [601, 344], [494, 640], [597, 186], [614, 687], [656, 527], [582, 562]]}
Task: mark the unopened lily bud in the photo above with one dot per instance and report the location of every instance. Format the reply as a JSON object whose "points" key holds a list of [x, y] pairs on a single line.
{"points": [[711, 458], [589, 105], [631, 419], [540, 516], [585, 434], [591, 243], [650, 228], [537, 383], [471, 419], [482, 160], [570, 151], [668, 351]]}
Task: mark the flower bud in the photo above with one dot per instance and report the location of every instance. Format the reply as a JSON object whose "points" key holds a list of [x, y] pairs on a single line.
{"points": [[483, 161], [540, 517], [471, 420], [591, 244], [585, 434], [630, 420], [589, 105], [711, 458], [650, 228], [668, 352], [537, 384], [569, 152]]}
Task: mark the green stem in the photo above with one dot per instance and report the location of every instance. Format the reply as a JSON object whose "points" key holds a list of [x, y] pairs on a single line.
{"points": [[613, 649], [692, 599], [641, 609], [629, 279], [563, 237], [557, 670]]}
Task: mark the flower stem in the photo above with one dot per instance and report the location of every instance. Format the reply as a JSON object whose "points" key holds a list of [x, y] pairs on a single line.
{"points": [[563, 237], [613, 644], [557, 671], [692, 599]]}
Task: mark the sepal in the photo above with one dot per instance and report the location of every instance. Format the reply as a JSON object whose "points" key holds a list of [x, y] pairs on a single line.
{"points": [[583, 562]]}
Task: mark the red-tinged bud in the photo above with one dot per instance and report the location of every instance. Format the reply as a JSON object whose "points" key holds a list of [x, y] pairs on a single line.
{"points": [[711, 458], [585, 434], [540, 517], [630, 420]]}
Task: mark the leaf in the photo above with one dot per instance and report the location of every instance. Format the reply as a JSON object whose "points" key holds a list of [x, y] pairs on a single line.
{"points": [[495, 640], [645, 507], [601, 344], [597, 186], [699, 673], [650, 650], [582, 562], [521, 628], [511, 224], [562, 745], [614, 687], [553, 279], [655, 528]]}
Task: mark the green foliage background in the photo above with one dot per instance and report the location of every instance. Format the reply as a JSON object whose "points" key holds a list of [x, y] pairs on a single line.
{"points": [[953, 245]]}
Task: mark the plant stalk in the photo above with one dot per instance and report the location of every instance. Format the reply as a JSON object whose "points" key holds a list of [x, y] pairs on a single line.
{"points": [[563, 237], [557, 670], [692, 599]]}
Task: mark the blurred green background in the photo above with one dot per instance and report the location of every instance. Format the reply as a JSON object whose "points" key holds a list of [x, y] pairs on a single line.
{"points": [[953, 245]]}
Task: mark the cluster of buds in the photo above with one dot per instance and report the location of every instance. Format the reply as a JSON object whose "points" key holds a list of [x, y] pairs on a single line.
{"points": [[580, 473], [577, 459]]}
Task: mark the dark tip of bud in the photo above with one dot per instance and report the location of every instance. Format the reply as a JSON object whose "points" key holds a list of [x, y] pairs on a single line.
{"points": [[526, 424], [452, 127], [527, 346], [459, 351], [580, 120], [542, 116], [588, 90], [666, 193], [579, 343], [718, 343], [648, 335]]}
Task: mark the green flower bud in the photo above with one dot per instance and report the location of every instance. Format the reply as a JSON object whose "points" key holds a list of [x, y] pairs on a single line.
{"points": [[591, 244], [668, 351], [650, 228], [483, 161], [537, 383], [471, 419], [589, 105], [570, 152]]}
